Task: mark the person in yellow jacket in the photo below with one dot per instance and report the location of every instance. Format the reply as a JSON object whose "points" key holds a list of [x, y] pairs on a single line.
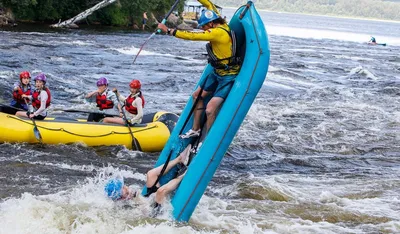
{"points": [[221, 55]]}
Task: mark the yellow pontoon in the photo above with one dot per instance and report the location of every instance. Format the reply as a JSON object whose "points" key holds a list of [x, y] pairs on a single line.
{"points": [[151, 136]]}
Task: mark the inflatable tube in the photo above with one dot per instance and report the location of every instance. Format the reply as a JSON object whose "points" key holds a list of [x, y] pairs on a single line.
{"points": [[151, 136], [253, 39]]}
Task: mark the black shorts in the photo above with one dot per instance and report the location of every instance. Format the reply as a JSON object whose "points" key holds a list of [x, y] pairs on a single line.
{"points": [[39, 117], [95, 117]]}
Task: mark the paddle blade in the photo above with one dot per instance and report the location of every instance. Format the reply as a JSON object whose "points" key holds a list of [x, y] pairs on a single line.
{"points": [[37, 134], [136, 145]]}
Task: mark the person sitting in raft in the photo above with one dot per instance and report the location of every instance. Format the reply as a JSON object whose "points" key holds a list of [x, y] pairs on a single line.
{"points": [[106, 101], [134, 105], [117, 190], [222, 58], [373, 40], [41, 99], [23, 87]]}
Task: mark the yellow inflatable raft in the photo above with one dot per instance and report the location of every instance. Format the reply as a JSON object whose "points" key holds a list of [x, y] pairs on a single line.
{"points": [[151, 136]]}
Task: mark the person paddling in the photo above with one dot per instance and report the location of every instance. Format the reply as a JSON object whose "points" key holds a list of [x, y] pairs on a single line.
{"points": [[41, 99], [23, 87], [221, 55], [134, 105], [373, 40], [106, 101]]}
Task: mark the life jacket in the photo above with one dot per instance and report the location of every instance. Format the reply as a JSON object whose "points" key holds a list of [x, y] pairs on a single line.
{"points": [[36, 101], [103, 103], [128, 103], [231, 61], [17, 94]]}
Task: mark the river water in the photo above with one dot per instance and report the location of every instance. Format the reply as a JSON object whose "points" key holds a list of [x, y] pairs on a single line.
{"points": [[319, 151]]}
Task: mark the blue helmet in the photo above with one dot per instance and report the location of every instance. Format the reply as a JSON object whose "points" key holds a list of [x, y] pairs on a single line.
{"points": [[113, 188], [206, 17]]}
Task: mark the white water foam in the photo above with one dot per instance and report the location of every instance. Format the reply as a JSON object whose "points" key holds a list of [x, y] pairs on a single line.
{"points": [[85, 209], [363, 71]]}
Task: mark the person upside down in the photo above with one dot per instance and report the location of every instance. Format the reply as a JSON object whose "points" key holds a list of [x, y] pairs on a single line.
{"points": [[117, 190]]}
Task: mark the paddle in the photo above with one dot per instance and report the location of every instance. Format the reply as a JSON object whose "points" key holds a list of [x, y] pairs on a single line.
{"points": [[135, 144], [87, 112], [158, 30], [35, 128], [9, 109]]}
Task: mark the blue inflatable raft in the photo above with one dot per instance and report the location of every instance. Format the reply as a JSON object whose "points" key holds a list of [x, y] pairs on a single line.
{"points": [[253, 39]]}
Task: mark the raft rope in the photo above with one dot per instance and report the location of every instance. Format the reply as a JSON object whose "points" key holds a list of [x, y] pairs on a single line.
{"points": [[76, 134]]}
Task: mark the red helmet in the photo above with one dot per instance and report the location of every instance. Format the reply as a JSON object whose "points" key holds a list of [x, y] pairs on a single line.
{"points": [[135, 84], [24, 74]]}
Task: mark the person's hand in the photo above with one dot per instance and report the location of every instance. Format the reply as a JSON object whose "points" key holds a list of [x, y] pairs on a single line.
{"points": [[121, 114], [93, 93], [17, 88], [31, 116], [115, 90], [162, 27]]}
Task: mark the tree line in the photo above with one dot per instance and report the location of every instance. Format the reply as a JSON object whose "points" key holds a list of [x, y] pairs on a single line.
{"points": [[123, 12], [374, 9]]}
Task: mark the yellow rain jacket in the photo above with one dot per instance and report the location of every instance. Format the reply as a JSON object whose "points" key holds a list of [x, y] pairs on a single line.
{"points": [[220, 40]]}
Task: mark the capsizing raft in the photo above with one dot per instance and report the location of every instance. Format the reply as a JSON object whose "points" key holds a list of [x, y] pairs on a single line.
{"points": [[252, 40]]}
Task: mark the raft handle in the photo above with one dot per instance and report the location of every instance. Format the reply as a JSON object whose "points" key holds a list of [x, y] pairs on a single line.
{"points": [[249, 3]]}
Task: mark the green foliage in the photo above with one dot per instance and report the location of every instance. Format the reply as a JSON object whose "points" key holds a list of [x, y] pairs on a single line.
{"points": [[122, 12], [377, 9], [110, 15]]}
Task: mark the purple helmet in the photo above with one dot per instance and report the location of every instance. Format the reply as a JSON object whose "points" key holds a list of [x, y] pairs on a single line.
{"points": [[41, 77], [102, 81]]}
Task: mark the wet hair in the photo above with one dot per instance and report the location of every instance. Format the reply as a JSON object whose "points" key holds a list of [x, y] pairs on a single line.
{"points": [[220, 20]]}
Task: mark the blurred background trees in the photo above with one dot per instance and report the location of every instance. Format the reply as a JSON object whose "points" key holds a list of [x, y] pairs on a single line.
{"points": [[374, 9], [121, 13], [128, 12]]}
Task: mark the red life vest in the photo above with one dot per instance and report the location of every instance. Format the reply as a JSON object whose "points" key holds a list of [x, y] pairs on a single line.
{"points": [[36, 101], [103, 103], [17, 94], [128, 103]]}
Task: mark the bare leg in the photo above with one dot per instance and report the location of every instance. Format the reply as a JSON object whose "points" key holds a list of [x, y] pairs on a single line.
{"points": [[116, 120], [212, 110], [199, 107], [152, 175], [197, 115], [21, 114], [166, 189]]}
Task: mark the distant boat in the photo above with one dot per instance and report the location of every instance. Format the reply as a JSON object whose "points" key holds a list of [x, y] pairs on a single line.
{"points": [[374, 43]]}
